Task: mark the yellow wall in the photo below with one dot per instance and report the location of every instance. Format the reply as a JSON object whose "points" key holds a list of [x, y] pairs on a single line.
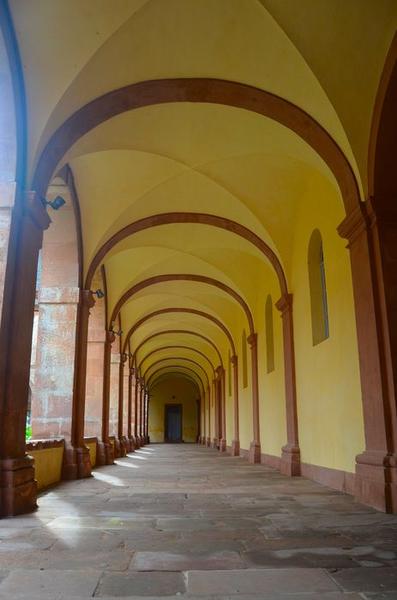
{"points": [[271, 385], [186, 394], [48, 465], [92, 448], [327, 375]]}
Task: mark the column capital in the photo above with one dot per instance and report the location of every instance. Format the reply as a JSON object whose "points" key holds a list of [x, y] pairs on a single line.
{"points": [[252, 340], [234, 360], [124, 358], [284, 304]]}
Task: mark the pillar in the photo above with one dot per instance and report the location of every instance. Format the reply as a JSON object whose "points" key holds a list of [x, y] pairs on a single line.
{"points": [[290, 453], [222, 408], [131, 395], [120, 413], [105, 448], [236, 417], [19, 250], [208, 439], [255, 447], [371, 233], [136, 412]]}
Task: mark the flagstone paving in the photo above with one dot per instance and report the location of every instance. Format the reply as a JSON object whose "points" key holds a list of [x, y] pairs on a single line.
{"points": [[183, 521]]}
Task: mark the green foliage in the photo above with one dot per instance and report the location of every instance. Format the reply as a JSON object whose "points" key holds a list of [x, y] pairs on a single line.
{"points": [[28, 432]]}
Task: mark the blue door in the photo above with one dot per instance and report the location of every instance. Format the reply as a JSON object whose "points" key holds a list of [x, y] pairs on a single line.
{"points": [[173, 423]]}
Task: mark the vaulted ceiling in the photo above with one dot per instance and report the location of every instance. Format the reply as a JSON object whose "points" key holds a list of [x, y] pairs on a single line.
{"points": [[323, 56]]}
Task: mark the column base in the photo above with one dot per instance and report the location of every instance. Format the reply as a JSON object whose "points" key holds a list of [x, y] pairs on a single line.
{"points": [[208, 442], [76, 462], [215, 443], [235, 451], [18, 487], [254, 456], [105, 454], [125, 444], [132, 443], [376, 480], [222, 445], [100, 454], [290, 461]]}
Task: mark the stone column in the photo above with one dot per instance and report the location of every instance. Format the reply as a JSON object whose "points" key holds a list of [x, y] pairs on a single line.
{"points": [[236, 416], [77, 453], [120, 421], [255, 447], [105, 448], [372, 243], [136, 412], [208, 439], [141, 394], [222, 408], [290, 458], [131, 394], [19, 249], [114, 398], [215, 439], [95, 373]]}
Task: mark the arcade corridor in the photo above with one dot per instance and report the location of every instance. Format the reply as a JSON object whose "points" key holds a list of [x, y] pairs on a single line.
{"points": [[182, 521]]}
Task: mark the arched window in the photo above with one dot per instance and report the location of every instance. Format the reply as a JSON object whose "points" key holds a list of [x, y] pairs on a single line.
{"points": [[269, 334], [318, 289], [229, 374], [244, 355]]}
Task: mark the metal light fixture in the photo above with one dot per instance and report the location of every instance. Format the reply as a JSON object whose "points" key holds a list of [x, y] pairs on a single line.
{"points": [[119, 332], [98, 293], [56, 203]]}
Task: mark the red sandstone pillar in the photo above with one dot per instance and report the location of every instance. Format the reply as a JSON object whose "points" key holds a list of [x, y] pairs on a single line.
{"points": [[141, 416], [136, 412], [131, 393], [208, 440], [18, 488], [255, 447], [290, 459], [105, 448], [373, 254], [222, 408], [77, 453], [120, 430], [236, 417], [215, 439]]}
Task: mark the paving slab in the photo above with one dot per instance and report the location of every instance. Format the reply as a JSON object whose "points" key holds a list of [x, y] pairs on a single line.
{"points": [[367, 579], [144, 584], [252, 581], [169, 561], [70, 583]]}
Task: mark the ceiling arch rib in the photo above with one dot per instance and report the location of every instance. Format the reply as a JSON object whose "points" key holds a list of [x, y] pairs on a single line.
{"points": [[176, 358], [175, 369], [171, 332], [197, 90], [203, 314], [183, 277], [160, 375], [191, 218], [175, 347]]}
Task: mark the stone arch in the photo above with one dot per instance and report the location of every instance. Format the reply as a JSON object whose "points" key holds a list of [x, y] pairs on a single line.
{"points": [[175, 347], [206, 90], [184, 310]]}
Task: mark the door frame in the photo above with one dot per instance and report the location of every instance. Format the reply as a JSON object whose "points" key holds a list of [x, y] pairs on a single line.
{"points": [[166, 406]]}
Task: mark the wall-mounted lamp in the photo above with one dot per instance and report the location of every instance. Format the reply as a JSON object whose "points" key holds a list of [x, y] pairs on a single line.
{"points": [[98, 293], [55, 204], [119, 332]]}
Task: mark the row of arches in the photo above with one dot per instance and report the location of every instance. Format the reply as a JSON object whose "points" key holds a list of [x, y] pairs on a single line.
{"points": [[68, 300]]}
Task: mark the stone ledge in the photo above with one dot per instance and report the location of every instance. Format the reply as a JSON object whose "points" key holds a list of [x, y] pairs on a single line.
{"points": [[44, 444]]}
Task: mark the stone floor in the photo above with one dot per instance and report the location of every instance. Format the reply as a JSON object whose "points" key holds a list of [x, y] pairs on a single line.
{"points": [[184, 521]]}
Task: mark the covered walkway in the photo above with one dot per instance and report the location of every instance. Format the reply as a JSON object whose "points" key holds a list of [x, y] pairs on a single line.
{"points": [[186, 521]]}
